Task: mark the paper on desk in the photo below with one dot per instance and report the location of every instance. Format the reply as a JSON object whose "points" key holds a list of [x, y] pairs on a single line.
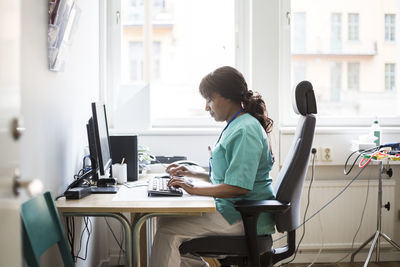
{"points": [[140, 194]]}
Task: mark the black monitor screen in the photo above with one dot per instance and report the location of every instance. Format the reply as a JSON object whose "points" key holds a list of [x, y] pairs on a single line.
{"points": [[92, 148], [101, 136]]}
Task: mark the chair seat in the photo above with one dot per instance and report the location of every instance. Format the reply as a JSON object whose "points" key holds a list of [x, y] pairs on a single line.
{"points": [[223, 246]]}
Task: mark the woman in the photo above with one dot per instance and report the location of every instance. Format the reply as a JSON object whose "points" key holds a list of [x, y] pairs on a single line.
{"points": [[239, 169]]}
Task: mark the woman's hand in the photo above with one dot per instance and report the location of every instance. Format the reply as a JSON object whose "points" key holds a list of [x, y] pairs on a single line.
{"points": [[183, 183], [213, 190], [178, 170]]}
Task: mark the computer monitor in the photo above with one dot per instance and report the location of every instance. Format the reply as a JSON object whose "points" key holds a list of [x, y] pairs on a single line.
{"points": [[101, 137], [92, 149]]}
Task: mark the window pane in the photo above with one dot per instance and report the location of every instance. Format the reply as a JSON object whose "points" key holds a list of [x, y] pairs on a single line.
{"points": [[353, 76], [353, 27], [336, 32], [349, 78], [390, 28], [390, 70], [189, 38]]}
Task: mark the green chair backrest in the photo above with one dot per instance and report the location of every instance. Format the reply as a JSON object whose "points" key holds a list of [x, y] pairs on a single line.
{"points": [[41, 229]]}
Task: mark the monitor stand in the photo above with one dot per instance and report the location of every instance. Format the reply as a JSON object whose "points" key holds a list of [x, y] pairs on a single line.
{"points": [[105, 182], [105, 186]]}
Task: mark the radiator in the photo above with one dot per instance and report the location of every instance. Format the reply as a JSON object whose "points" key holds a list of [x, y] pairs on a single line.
{"points": [[334, 227]]}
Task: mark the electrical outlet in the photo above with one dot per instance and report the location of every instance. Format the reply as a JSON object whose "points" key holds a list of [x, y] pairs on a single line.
{"points": [[317, 156], [326, 153]]}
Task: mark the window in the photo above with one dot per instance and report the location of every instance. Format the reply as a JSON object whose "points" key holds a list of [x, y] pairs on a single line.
{"points": [[353, 27], [336, 32], [166, 47], [390, 70], [348, 77], [299, 32], [353, 76], [390, 29], [336, 81], [299, 71]]}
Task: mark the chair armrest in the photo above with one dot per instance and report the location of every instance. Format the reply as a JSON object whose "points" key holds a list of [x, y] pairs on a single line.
{"points": [[257, 206], [250, 210]]}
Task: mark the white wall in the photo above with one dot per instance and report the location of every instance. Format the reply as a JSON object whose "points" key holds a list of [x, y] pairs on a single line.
{"points": [[56, 105]]}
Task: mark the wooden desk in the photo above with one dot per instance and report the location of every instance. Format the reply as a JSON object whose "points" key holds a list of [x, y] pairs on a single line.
{"points": [[141, 208]]}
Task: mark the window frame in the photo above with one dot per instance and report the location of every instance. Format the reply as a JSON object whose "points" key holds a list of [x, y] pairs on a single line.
{"points": [[113, 32], [269, 86], [353, 76], [390, 77], [353, 27], [390, 30]]}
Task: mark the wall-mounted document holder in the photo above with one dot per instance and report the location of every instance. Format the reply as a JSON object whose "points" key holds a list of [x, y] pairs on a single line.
{"points": [[63, 20]]}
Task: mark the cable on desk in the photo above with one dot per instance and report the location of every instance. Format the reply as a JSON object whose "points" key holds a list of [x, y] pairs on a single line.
{"points": [[360, 152]]}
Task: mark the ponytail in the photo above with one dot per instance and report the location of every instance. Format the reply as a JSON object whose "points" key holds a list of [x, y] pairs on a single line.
{"points": [[254, 105]]}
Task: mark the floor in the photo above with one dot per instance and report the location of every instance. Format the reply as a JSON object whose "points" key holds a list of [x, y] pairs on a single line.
{"points": [[214, 263], [346, 264]]}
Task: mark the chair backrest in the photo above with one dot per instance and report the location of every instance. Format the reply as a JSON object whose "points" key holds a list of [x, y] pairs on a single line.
{"points": [[42, 228], [289, 183]]}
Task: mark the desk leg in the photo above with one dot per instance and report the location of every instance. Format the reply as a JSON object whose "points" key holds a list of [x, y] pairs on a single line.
{"points": [[140, 220], [125, 223]]}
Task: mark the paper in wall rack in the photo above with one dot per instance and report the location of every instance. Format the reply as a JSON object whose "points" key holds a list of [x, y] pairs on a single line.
{"points": [[63, 20]]}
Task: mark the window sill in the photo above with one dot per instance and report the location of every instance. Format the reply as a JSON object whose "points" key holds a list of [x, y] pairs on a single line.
{"points": [[340, 130], [286, 130], [171, 132]]}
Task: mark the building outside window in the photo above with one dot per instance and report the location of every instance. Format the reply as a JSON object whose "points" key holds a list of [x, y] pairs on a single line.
{"points": [[353, 27], [299, 32], [390, 80], [349, 77], [336, 81], [136, 61], [390, 27], [180, 45], [353, 75], [336, 32], [170, 48]]}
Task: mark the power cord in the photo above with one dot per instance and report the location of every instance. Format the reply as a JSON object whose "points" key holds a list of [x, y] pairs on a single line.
{"points": [[333, 199], [360, 152], [330, 201], [358, 229], [120, 245], [313, 151], [71, 236], [84, 171]]}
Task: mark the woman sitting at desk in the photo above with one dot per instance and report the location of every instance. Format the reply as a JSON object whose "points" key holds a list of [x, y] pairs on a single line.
{"points": [[239, 169]]}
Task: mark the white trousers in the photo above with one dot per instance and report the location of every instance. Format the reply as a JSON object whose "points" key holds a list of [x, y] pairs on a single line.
{"points": [[173, 231]]}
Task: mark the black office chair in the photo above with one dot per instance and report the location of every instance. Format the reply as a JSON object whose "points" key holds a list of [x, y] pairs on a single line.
{"points": [[251, 249]]}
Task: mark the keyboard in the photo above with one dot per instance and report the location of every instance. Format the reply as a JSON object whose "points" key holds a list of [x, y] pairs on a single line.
{"points": [[104, 190], [158, 187]]}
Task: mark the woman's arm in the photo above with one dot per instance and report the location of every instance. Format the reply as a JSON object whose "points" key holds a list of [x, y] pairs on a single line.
{"points": [[181, 170], [218, 190]]}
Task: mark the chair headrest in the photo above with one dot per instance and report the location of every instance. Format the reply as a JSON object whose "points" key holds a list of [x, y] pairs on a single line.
{"points": [[304, 99]]}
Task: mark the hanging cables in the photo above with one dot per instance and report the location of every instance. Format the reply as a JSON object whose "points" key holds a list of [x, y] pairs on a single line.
{"points": [[329, 202], [360, 152], [313, 151]]}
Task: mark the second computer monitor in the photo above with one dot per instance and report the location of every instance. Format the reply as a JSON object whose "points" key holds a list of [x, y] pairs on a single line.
{"points": [[101, 135]]}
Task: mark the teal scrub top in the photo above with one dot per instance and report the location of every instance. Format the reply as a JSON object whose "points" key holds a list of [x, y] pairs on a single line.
{"points": [[242, 158]]}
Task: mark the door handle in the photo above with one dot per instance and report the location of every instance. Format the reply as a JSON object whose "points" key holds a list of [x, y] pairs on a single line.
{"points": [[16, 128], [33, 187]]}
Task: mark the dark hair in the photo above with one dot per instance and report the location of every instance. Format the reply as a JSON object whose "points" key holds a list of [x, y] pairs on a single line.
{"points": [[230, 84]]}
